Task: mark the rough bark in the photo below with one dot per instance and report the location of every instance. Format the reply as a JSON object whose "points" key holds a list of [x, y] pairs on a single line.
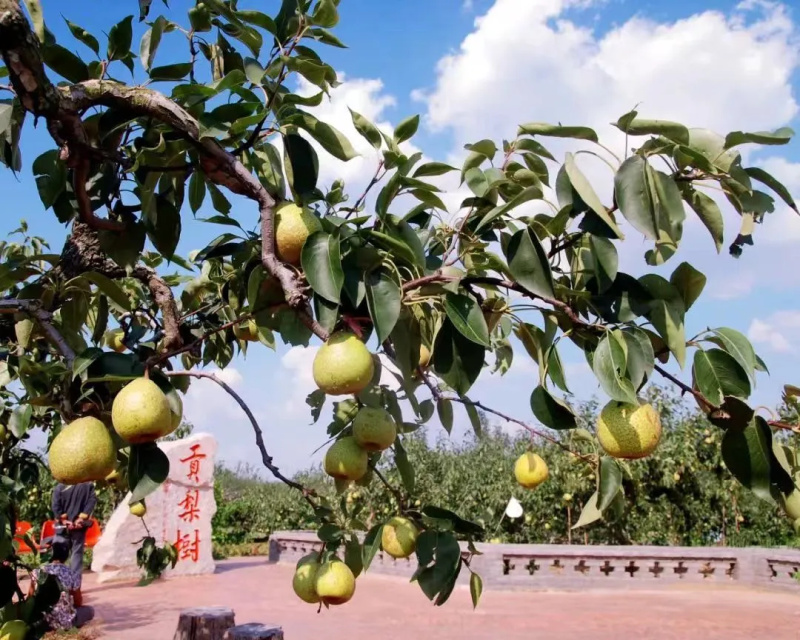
{"points": [[204, 623]]}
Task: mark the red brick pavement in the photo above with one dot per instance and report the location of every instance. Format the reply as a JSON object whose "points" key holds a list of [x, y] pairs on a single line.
{"points": [[389, 608]]}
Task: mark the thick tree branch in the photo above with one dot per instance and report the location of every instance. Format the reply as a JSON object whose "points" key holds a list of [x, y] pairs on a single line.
{"points": [[62, 106], [82, 253], [45, 319], [308, 494]]}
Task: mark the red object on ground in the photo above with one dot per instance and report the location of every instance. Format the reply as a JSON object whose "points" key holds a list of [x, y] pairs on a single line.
{"points": [[48, 530], [22, 528], [93, 534]]}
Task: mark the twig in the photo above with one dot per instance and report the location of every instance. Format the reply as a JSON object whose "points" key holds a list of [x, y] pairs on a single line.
{"points": [[308, 494], [45, 319], [401, 503], [524, 425], [376, 178]]}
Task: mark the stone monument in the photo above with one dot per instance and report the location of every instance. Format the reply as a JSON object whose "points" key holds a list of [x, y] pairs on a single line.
{"points": [[179, 512]]}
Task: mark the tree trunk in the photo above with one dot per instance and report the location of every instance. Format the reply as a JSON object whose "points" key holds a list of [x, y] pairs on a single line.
{"points": [[204, 623], [254, 631]]}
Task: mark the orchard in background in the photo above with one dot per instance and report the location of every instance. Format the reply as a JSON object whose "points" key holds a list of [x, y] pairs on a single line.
{"points": [[112, 329]]}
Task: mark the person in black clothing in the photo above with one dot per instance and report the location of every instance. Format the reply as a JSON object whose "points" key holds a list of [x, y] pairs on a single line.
{"points": [[73, 506]]}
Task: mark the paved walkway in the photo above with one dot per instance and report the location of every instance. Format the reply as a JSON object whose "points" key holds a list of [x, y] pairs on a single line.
{"points": [[385, 607]]}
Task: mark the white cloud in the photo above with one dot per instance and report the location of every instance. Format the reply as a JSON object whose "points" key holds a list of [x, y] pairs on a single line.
{"points": [[523, 62], [206, 402], [773, 331]]}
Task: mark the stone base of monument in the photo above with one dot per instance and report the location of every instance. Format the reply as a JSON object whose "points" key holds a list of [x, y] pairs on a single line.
{"points": [[179, 512]]}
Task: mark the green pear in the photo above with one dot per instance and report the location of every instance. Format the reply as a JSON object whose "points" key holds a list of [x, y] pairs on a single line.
{"points": [[346, 460], [305, 578], [374, 429], [141, 412], [82, 451], [335, 583], [399, 537]]}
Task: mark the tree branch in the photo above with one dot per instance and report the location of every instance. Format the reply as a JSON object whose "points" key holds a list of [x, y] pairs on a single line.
{"points": [[61, 108], [308, 494], [524, 425], [45, 319]]}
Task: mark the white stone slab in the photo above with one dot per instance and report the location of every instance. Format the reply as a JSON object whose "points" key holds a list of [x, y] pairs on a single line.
{"points": [[180, 511]]}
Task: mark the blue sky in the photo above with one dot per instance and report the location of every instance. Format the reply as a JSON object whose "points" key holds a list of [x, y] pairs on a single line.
{"points": [[477, 69]]}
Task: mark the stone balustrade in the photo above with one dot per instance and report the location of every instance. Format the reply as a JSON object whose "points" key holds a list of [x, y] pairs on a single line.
{"points": [[578, 567]]}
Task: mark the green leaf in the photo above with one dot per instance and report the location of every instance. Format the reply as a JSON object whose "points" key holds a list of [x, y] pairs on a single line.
{"points": [[84, 360], [406, 129], [110, 288], [610, 482], [474, 419], [689, 281], [477, 181], [747, 454], [466, 315], [372, 542], [777, 137], [82, 35], [605, 261], [148, 467], [634, 197], [444, 409], [325, 14], [404, 466], [329, 137], [642, 127], [778, 187], [20, 420], [301, 164], [218, 199], [366, 129], [197, 191], [150, 41], [171, 71], [253, 70], [352, 555], [51, 177], [717, 375], [590, 512], [739, 347], [666, 311], [557, 131], [457, 360], [528, 263], [384, 300], [65, 63], [527, 194], [165, 231], [588, 195], [119, 39], [708, 211], [475, 589], [124, 248], [610, 366], [322, 265], [552, 412], [433, 169]]}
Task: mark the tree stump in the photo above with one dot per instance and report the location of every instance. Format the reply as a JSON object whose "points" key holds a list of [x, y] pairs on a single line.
{"points": [[254, 631], [204, 623]]}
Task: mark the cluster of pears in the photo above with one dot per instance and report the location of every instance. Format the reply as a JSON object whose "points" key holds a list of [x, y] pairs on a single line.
{"points": [[626, 431], [332, 582], [84, 450]]}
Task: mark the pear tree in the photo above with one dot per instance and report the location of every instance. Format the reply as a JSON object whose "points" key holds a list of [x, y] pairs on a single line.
{"points": [[112, 327]]}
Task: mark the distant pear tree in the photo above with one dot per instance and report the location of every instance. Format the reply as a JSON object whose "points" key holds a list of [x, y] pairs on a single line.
{"points": [[387, 272]]}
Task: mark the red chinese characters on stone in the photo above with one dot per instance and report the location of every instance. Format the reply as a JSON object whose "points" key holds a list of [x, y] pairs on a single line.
{"points": [[188, 545], [194, 463], [190, 506]]}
